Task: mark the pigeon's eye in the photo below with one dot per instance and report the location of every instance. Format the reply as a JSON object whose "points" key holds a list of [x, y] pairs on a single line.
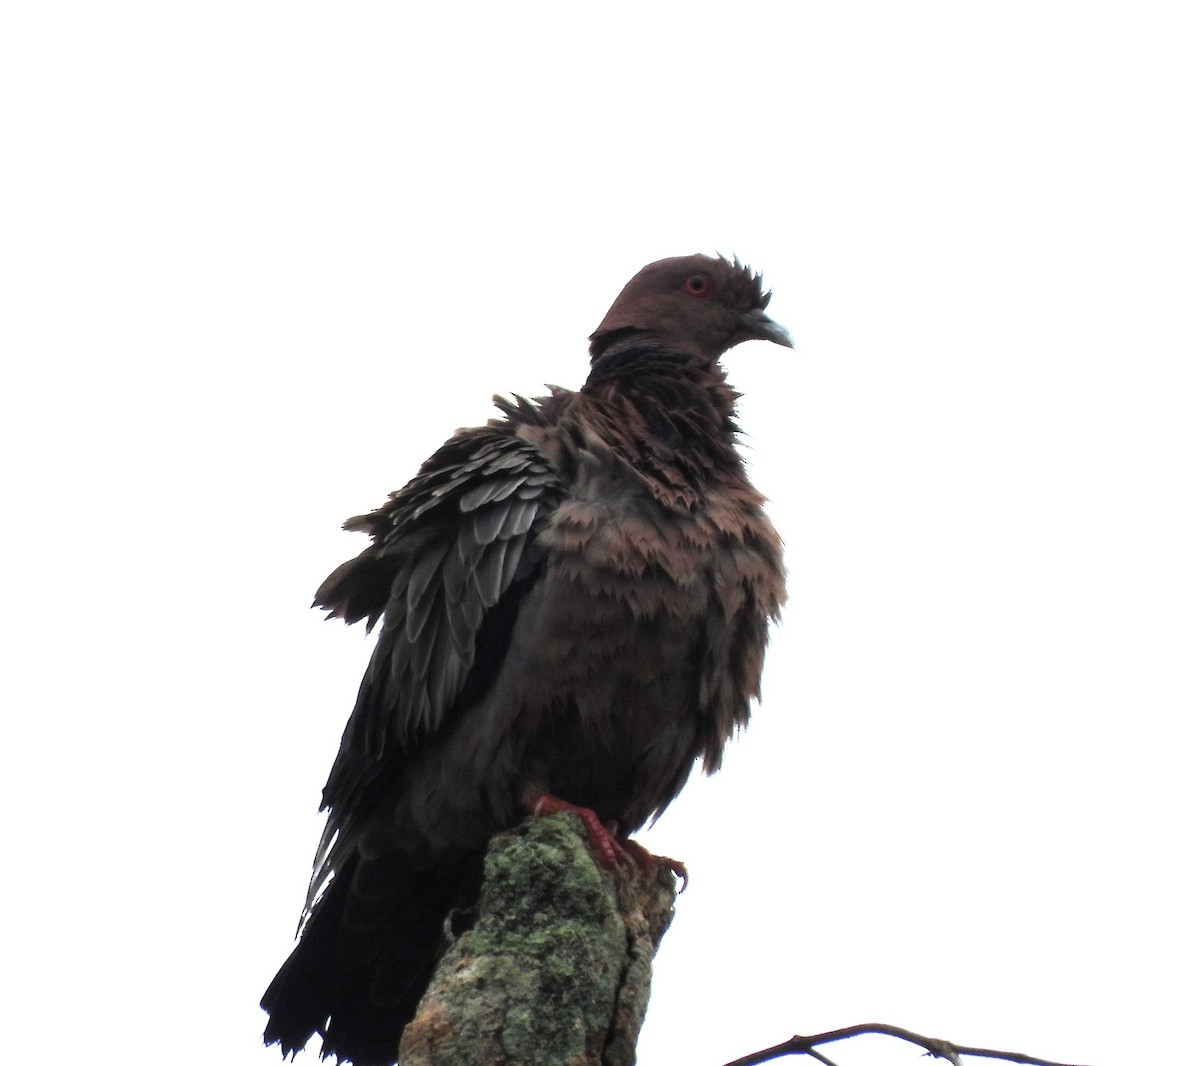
{"points": [[698, 285]]}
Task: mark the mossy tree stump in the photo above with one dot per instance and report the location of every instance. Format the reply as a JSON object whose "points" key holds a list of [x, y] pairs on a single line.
{"points": [[555, 970]]}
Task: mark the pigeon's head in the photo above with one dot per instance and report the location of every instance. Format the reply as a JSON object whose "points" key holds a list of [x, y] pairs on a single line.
{"points": [[692, 303]]}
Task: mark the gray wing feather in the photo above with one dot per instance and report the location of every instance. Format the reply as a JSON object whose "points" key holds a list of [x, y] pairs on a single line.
{"points": [[453, 542]]}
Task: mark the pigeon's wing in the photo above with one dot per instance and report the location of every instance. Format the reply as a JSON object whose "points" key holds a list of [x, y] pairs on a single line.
{"points": [[453, 553]]}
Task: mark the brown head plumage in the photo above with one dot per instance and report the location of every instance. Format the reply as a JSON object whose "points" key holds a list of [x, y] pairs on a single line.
{"points": [[696, 304]]}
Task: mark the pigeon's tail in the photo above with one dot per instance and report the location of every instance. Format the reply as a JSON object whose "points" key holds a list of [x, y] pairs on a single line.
{"points": [[358, 972]]}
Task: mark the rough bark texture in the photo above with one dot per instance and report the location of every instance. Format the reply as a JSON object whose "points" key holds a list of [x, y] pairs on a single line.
{"points": [[555, 970]]}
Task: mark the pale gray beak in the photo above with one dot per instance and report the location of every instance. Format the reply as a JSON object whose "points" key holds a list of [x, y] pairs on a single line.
{"points": [[755, 325]]}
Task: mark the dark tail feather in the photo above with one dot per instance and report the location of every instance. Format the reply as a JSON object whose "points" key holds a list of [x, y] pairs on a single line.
{"points": [[364, 960], [301, 996]]}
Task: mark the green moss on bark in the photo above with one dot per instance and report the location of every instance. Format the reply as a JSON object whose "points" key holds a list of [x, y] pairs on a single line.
{"points": [[556, 969]]}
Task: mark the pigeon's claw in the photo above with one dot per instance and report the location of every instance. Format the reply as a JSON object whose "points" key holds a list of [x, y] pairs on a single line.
{"points": [[647, 860]]}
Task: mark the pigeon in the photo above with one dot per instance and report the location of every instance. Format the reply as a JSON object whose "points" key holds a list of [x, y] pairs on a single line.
{"points": [[573, 604]]}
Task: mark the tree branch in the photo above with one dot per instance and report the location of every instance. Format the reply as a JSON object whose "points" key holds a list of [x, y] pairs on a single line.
{"points": [[943, 1049]]}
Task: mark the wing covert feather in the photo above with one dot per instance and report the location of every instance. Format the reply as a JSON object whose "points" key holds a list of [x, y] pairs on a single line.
{"points": [[448, 546]]}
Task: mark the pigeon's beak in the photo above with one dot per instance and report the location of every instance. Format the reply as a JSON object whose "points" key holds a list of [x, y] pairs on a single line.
{"points": [[756, 326]]}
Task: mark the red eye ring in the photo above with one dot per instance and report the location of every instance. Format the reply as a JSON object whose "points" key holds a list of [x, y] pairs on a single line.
{"points": [[698, 285]]}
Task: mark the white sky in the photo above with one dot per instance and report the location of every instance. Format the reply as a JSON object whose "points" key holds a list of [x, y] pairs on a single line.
{"points": [[259, 259]]}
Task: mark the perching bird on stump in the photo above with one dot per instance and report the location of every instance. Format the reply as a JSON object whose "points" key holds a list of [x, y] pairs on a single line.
{"points": [[574, 602]]}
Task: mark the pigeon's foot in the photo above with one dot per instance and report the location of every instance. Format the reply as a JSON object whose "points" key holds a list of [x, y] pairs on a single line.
{"points": [[602, 839], [610, 848]]}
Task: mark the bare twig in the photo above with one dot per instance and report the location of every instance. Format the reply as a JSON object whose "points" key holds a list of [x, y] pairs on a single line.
{"points": [[942, 1049]]}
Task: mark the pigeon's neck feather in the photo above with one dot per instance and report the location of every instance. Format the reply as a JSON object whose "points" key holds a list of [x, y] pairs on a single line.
{"points": [[668, 414]]}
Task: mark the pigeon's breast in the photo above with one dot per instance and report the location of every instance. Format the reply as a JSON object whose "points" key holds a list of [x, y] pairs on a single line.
{"points": [[629, 659]]}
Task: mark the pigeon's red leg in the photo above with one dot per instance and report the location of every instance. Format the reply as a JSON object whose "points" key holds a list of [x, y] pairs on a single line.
{"points": [[607, 846]]}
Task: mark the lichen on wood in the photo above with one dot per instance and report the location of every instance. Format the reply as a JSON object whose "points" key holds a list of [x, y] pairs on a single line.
{"points": [[555, 969]]}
